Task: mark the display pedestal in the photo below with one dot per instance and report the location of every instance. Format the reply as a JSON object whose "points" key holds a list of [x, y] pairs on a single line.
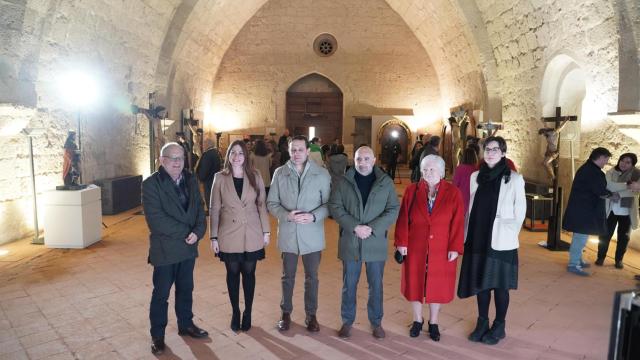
{"points": [[73, 218]]}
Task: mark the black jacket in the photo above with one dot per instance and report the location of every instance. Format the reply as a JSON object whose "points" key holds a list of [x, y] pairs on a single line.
{"points": [[169, 224], [585, 212], [207, 167]]}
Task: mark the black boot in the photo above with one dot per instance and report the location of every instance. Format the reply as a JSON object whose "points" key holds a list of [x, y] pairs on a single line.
{"points": [[235, 320], [416, 327], [495, 334], [434, 332], [482, 326], [246, 320]]}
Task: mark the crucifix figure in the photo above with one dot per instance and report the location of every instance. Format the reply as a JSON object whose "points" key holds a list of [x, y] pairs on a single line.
{"points": [[551, 163], [552, 135]]}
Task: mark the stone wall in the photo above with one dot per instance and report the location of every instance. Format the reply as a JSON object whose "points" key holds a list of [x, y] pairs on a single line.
{"points": [[118, 43], [525, 36], [379, 64]]}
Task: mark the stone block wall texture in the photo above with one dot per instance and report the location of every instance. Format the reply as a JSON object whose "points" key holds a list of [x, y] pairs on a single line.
{"points": [[379, 64], [525, 36], [118, 42]]}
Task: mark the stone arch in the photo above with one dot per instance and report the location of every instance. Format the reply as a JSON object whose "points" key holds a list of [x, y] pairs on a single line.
{"points": [[404, 138], [314, 100], [564, 84]]}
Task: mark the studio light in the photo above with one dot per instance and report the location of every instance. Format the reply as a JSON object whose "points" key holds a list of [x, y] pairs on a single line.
{"points": [[394, 134], [79, 89]]}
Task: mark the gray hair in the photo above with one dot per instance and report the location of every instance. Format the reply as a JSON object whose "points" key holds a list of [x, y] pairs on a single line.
{"points": [[434, 159], [166, 146]]}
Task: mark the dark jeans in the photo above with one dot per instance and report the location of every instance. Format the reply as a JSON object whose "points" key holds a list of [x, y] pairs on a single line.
{"points": [[391, 169], [248, 271], [180, 274], [350, 277], [311, 263], [624, 225]]}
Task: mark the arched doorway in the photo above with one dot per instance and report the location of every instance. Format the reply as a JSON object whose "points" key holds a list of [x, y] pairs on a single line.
{"points": [[564, 86], [390, 131], [315, 101]]}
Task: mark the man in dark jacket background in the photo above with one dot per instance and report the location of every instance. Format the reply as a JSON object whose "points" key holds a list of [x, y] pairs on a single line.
{"points": [[175, 217], [208, 165], [364, 204], [585, 214]]}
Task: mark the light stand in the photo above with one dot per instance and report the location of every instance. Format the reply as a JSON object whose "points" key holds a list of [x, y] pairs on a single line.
{"points": [[80, 152], [30, 133]]}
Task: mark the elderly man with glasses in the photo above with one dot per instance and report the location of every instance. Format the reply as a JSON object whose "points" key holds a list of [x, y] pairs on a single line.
{"points": [[175, 216]]}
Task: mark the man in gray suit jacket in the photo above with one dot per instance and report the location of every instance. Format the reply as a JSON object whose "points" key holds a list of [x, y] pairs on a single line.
{"points": [[175, 216]]}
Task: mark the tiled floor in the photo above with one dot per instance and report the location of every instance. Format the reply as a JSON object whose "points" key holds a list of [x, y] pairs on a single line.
{"points": [[93, 303]]}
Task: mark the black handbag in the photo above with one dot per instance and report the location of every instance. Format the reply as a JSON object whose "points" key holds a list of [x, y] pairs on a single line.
{"points": [[398, 257]]}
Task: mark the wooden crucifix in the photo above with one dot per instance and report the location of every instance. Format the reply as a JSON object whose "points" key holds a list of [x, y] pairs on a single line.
{"points": [[552, 165]]}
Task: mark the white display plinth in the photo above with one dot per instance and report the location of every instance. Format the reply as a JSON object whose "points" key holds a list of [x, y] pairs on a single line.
{"points": [[73, 218]]}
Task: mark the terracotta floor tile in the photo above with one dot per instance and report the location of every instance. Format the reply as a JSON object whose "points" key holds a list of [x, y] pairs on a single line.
{"points": [[46, 350], [32, 340], [97, 300], [18, 355]]}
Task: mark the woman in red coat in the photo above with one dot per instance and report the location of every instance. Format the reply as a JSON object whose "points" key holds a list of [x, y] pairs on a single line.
{"points": [[430, 232]]}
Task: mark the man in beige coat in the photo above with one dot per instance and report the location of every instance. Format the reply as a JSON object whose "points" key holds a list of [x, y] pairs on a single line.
{"points": [[298, 197]]}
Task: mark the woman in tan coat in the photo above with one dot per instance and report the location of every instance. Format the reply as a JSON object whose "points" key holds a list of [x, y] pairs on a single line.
{"points": [[239, 227]]}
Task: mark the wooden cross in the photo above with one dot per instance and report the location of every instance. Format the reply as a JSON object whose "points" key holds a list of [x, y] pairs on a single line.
{"points": [[553, 234]]}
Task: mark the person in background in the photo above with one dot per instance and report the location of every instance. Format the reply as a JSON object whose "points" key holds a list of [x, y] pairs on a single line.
{"points": [[431, 147], [315, 151], [430, 230], [414, 162], [585, 214], [261, 160], [623, 212], [276, 156], [207, 167], [337, 164], [283, 145], [462, 174]]}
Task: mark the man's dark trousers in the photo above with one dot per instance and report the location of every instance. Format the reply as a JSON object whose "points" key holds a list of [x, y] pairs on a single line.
{"points": [[180, 274]]}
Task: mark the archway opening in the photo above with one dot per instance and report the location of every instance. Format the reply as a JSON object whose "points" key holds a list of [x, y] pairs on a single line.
{"points": [[389, 132], [315, 102], [564, 86]]}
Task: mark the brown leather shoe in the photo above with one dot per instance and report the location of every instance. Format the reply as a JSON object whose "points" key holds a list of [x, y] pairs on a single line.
{"points": [[345, 331], [312, 323], [378, 332], [285, 322]]}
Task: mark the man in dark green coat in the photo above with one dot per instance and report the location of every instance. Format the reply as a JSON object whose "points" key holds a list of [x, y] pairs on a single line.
{"points": [[175, 216], [365, 204]]}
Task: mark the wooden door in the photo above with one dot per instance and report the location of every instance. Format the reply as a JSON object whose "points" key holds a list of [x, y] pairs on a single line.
{"points": [[322, 110]]}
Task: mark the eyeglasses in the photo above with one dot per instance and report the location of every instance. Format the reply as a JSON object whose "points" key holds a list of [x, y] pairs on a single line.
{"points": [[495, 150], [174, 159]]}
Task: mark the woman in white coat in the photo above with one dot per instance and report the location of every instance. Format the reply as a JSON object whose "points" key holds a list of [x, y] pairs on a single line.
{"points": [[622, 210], [490, 263]]}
